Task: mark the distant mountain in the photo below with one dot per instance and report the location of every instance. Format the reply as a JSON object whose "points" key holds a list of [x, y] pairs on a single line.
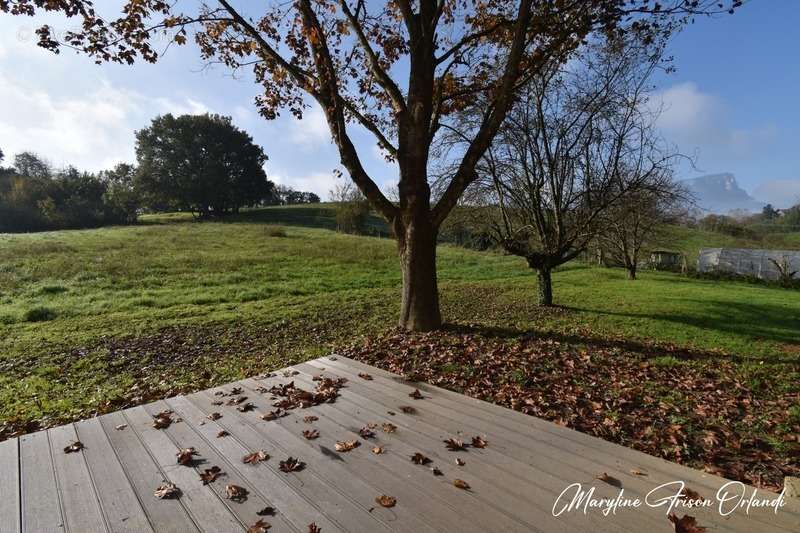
{"points": [[719, 193]]}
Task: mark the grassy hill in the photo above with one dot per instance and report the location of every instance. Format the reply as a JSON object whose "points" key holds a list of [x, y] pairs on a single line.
{"points": [[90, 317]]}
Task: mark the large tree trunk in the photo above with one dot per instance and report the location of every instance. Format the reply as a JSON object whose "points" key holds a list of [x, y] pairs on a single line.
{"points": [[632, 272], [545, 286], [419, 308]]}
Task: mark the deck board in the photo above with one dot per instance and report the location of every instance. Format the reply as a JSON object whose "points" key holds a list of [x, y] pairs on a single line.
{"points": [[515, 480]]}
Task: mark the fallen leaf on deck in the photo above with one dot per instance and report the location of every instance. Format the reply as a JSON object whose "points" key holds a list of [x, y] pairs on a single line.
{"points": [[273, 415], [687, 524], [246, 407], [216, 402], [388, 427], [266, 511], [364, 375], [436, 471], [236, 401], [222, 433], [162, 420], [167, 491], [214, 416], [121, 427], [314, 528], [637, 472], [391, 412], [478, 442], [346, 445], [461, 484], [211, 474], [366, 432], [290, 373], [454, 445], [292, 465], [235, 391], [690, 495], [255, 457], [460, 461], [417, 395], [386, 501], [74, 447], [377, 450], [236, 493], [419, 459], [259, 527], [407, 409], [186, 456], [604, 477], [310, 418], [310, 434]]}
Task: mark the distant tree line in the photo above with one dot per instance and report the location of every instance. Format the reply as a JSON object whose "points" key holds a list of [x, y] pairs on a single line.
{"points": [[201, 164]]}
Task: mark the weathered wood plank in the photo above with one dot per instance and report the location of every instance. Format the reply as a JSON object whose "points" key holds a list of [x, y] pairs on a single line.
{"points": [[41, 509], [121, 508], [10, 518], [501, 487], [303, 496], [145, 475], [524, 442], [206, 509], [75, 488], [186, 435], [438, 503]]}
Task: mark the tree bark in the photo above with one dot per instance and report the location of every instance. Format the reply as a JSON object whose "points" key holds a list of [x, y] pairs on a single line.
{"points": [[419, 307], [632, 272], [545, 287]]}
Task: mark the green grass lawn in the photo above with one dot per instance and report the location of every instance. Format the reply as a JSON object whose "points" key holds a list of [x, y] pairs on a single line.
{"points": [[88, 318]]}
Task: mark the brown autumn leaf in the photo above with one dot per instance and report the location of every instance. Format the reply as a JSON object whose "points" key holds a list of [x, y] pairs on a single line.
{"points": [[235, 391], [392, 413], [388, 427], [690, 495], [162, 420], [249, 406], [74, 447], [255, 457], [686, 524], [310, 434], [314, 528], [419, 459], [461, 484], [364, 375], [308, 419], [407, 409], [186, 456], [292, 465], [460, 461], [121, 427], [214, 416], [236, 493], [604, 477], [346, 445], [266, 511], [259, 527], [222, 433], [290, 373], [274, 415], [236, 401], [210, 475], [167, 491], [479, 442], [386, 501], [637, 472], [377, 450], [454, 445], [436, 471], [366, 432], [417, 395], [216, 402]]}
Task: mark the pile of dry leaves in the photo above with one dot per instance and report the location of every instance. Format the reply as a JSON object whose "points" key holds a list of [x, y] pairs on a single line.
{"points": [[731, 419]]}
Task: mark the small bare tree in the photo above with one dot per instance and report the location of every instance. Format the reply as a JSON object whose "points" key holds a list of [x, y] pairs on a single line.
{"points": [[640, 217], [579, 140]]}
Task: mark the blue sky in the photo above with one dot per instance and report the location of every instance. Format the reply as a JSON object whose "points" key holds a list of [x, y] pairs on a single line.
{"points": [[732, 102]]}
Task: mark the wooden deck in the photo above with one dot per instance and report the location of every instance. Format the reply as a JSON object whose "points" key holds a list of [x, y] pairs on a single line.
{"points": [[514, 481]]}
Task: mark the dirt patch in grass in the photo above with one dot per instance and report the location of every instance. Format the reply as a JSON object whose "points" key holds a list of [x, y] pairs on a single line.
{"points": [[731, 419]]}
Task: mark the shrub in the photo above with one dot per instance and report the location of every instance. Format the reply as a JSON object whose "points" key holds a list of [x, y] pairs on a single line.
{"points": [[276, 231], [39, 314], [351, 217], [52, 289]]}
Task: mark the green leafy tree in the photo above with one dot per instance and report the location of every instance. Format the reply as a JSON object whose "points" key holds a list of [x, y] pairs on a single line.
{"points": [[200, 163], [399, 69]]}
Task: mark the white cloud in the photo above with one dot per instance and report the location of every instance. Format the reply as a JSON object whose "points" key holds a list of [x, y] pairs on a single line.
{"points": [[92, 131], [780, 193], [313, 129]]}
